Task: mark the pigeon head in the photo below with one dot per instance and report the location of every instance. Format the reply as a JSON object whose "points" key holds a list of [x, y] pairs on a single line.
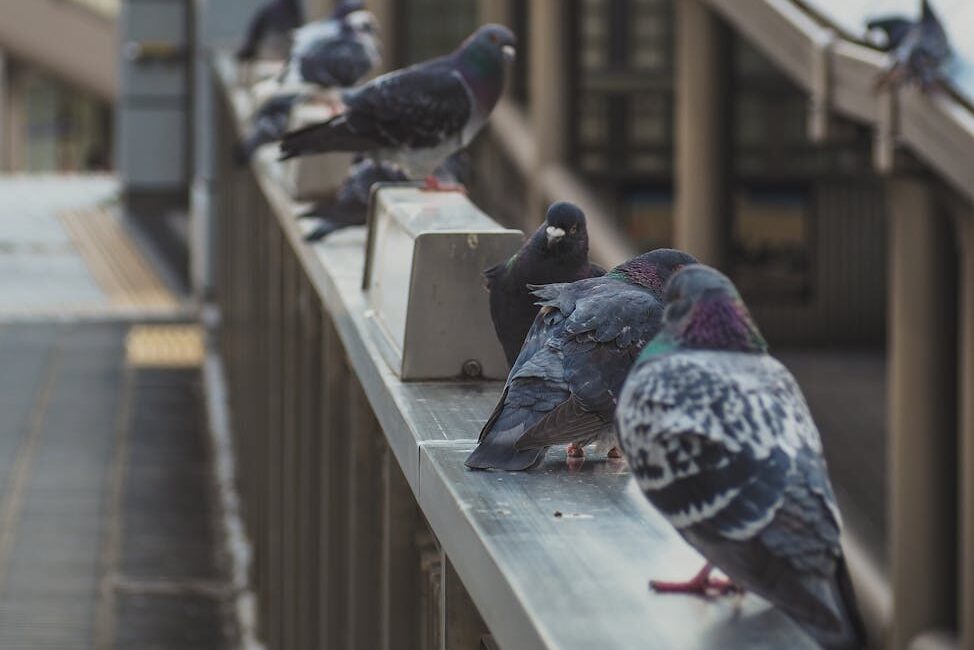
{"points": [[480, 60], [705, 311], [563, 231], [345, 8], [361, 22], [652, 269]]}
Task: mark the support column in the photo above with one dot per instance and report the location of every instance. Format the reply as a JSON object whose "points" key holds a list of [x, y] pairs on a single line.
{"points": [[13, 116], [701, 208], [965, 470], [462, 627], [547, 78], [922, 421], [390, 28]]}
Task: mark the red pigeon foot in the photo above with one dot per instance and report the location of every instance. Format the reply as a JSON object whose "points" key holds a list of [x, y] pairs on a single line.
{"points": [[433, 184], [699, 585]]}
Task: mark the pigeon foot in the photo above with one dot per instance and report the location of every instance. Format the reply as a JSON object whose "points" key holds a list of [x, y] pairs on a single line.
{"points": [[574, 451], [433, 184], [614, 453], [699, 585]]}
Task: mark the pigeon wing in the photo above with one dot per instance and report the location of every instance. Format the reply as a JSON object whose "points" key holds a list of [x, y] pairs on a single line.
{"points": [[610, 323], [335, 63], [418, 107], [731, 457]]}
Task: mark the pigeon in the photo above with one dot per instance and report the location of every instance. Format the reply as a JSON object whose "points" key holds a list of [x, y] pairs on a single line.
{"points": [[349, 206], [720, 440], [271, 27], [556, 252], [334, 53], [268, 124], [919, 48], [417, 116], [564, 383]]}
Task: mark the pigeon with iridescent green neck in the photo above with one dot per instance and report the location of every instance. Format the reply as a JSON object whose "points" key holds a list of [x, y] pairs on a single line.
{"points": [[721, 442], [417, 116], [563, 386]]}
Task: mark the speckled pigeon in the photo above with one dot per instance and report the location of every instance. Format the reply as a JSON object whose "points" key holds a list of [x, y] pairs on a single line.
{"points": [[556, 252], [417, 116], [721, 441], [270, 27], [350, 204], [334, 53], [919, 48], [268, 124], [564, 383]]}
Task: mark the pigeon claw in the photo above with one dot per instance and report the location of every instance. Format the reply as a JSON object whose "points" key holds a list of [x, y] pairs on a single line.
{"points": [[701, 584], [574, 451], [614, 453], [433, 184]]}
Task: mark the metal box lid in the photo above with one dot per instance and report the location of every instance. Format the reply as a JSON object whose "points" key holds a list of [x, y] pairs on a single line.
{"points": [[425, 257]]}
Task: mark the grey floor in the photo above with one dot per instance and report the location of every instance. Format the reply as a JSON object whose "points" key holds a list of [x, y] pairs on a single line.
{"points": [[107, 521]]}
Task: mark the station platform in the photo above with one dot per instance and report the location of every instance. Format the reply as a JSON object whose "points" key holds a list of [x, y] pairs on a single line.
{"points": [[108, 520]]}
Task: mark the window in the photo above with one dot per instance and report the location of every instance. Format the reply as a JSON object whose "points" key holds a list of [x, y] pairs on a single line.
{"points": [[621, 52], [431, 28], [771, 244]]}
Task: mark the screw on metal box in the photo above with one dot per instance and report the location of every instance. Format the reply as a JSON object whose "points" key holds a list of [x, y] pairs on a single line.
{"points": [[425, 255]]}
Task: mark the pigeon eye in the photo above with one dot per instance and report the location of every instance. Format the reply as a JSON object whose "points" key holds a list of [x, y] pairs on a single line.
{"points": [[493, 38], [573, 230]]}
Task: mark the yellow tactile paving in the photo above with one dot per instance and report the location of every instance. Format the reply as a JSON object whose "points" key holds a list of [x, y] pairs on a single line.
{"points": [[164, 346], [115, 261]]}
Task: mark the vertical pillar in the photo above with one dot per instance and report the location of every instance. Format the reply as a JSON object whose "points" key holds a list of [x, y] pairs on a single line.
{"points": [[389, 25], [364, 524], [547, 77], [401, 563], [13, 116], [491, 11], [701, 215], [965, 471], [462, 627], [921, 384]]}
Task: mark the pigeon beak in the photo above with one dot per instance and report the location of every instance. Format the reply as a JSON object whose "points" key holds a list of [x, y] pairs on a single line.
{"points": [[554, 235], [509, 52]]}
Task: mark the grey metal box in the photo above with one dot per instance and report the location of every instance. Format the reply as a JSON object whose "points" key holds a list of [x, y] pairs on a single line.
{"points": [[428, 310]]}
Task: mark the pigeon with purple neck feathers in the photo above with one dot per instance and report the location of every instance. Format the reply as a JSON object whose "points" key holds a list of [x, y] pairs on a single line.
{"points": [[919, 48], [417, 116], [556, 252], [720, 440], [336, 52], [563, 386], [270, 29]]}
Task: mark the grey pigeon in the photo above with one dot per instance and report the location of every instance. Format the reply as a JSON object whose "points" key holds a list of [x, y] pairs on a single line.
{"points": [[350, 204], [336, 52], [417, 116], [270, 27], [348, 207], [268, 124], [721, 442], [920, 49], [556, 252], [564, 383]]}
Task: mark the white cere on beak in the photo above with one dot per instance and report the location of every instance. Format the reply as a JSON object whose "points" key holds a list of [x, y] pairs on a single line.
{"points": [[554, 234], [509, 52]]}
